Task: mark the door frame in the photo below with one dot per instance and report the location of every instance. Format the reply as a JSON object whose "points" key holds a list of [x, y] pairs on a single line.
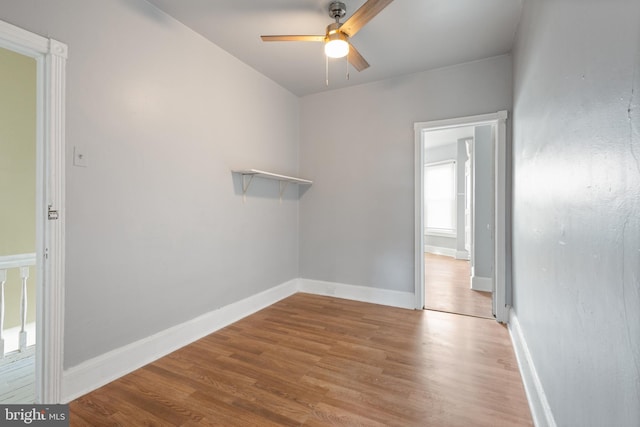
{"points": [[498, 120], [50, 56]]}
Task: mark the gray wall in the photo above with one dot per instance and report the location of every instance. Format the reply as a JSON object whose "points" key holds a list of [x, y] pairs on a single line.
{"points": [[440, 153], [483, 200], [576, 221], [157, 232], [357, 221]]}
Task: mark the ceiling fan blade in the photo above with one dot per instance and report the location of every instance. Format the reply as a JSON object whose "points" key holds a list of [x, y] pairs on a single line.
{"points": [[355, 59], [292, 38], [363, 15]]}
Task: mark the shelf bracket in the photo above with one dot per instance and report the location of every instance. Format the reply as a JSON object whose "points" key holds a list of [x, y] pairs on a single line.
{"points": [[246, 183]]}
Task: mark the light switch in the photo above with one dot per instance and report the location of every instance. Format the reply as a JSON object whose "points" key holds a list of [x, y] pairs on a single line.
{"points": [[79, 157]]}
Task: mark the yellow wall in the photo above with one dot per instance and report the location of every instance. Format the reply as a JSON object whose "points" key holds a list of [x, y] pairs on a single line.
{"points": [[17, 173]]}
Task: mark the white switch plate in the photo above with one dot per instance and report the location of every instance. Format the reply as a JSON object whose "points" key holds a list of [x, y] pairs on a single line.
{"points": [[79, 157]]}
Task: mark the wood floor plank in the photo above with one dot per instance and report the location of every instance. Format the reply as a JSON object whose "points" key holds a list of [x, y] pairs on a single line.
{"points": [[447, 287], [316, 361], [233, 414], [326, 414]]}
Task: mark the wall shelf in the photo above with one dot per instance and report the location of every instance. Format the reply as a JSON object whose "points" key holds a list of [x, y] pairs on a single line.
{"points": [[249, 174]]}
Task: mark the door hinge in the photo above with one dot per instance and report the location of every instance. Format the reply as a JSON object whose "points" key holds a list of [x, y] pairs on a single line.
{"points": [[52, 214]]}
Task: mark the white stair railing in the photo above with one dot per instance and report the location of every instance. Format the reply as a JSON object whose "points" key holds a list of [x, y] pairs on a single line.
{"points": [[21, 262]]}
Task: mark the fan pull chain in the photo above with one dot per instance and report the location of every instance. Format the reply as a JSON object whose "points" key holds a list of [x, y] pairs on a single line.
{"points": [[326, 70], [347, 62]]}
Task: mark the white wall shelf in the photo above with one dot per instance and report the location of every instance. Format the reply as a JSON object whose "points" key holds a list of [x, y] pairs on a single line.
{"points": [[249, 174]]}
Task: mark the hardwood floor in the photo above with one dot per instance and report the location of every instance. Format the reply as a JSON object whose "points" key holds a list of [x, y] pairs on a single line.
{"points": [[446, 282], [317, 361]]}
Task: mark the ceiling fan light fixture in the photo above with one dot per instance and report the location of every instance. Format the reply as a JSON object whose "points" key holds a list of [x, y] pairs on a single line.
{"points": [[336, 45], [337, 36]]}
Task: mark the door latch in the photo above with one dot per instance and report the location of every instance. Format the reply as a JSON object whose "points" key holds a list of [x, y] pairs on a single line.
{"points": [[52, 214]]}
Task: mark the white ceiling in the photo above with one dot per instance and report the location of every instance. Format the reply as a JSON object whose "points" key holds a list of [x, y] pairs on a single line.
{"points": [[408, 36]]}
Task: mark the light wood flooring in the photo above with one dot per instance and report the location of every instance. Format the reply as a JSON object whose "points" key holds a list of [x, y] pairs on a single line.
{"points": [[446, 282], [319, 361]]}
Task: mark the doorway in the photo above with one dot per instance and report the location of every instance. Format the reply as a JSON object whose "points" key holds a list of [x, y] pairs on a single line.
{"points": [[17, 227], [451, 284], [48, 221], [479, 233]]}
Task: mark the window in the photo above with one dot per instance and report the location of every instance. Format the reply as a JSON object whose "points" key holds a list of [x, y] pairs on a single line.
{"points": [[440, 197]]}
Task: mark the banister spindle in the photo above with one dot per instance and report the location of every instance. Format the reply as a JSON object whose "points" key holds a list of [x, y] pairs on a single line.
{"points": [[24, 274], [3, 279]]}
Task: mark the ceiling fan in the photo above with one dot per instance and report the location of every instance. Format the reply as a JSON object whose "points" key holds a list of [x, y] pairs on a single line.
{"points": [[336, 38]]}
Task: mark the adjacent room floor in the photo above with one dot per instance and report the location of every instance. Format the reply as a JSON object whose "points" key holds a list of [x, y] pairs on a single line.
{"points": [[17, 377], [315, 361], [447, 282]]}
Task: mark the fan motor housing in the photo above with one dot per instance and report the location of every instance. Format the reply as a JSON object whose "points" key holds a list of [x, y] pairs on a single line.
{"points": [[337, 10]]}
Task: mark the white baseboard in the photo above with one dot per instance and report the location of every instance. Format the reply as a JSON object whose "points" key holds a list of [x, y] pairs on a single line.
{"points": [[538, 403], [484, 284], [453, 253], [358, 293], [437, 250], [96, 372]]}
